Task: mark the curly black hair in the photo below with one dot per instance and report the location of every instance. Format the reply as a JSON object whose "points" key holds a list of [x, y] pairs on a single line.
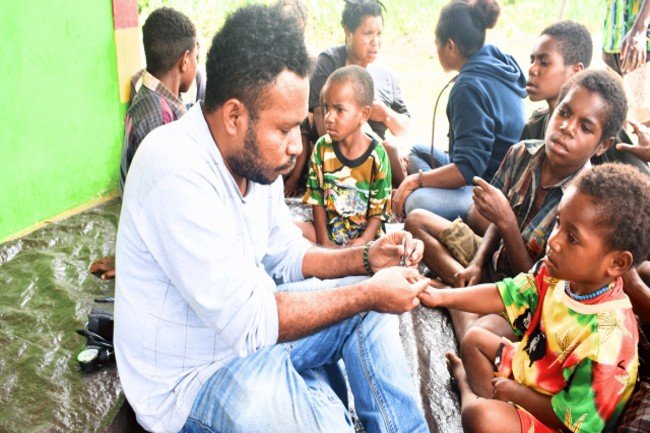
{"points": [[355, 10], [166, 35], [610, 88], [465, 23], [622, 194], [255, 44], [361, 81], [574, 42]]}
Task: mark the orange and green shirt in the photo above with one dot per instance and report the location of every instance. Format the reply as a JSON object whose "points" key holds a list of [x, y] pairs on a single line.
{"points": [[590, 362]]}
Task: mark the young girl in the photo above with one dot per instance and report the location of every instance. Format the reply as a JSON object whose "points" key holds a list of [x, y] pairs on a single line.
{"points": [[485, 112]]}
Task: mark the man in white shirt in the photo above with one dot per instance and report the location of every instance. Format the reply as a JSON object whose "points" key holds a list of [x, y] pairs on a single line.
{"points": [[204, 335]]}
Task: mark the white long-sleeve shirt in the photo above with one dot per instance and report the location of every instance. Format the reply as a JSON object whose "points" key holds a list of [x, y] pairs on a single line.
{"points": [[196, 264]]}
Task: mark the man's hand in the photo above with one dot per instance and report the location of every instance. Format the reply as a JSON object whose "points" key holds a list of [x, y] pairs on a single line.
{"points": [[396, 290], [641, 150], [389, 250], [469, 276], [405, 189], [633, 50], [492, 204], [103, 268]]}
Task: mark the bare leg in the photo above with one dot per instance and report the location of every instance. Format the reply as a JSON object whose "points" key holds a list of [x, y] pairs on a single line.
{"points": [[426, 226], [478, 348], [479, 414]]}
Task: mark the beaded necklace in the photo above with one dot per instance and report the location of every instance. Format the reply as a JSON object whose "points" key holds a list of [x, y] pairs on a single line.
{"points": [[588, 296]]}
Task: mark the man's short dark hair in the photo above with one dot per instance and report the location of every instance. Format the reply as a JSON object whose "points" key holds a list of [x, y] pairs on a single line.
{"points": [[610, 88], [361, 81], [355, 10], [255, 44], [622, 194], [166, 35], [574, 42]]}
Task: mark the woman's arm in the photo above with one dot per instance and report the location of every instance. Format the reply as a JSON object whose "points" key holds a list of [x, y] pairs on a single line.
{"points": [[397, 123]]}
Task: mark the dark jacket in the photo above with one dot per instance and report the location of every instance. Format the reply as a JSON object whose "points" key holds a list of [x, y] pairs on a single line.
{"points": [[485, 112]]}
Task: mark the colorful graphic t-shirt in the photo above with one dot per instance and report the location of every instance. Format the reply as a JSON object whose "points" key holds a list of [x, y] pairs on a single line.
{"points": [[351, 191], [588, 359]]}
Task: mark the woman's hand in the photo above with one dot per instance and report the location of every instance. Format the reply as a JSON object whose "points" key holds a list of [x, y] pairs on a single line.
{"points": [[405, 189]]}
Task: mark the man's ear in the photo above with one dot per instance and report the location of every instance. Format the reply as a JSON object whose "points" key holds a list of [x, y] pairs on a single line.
{"points": [[603, 146], [235, 117], [621, 263]]}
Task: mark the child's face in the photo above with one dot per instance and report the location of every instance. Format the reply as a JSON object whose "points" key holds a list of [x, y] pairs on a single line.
{"points": [[343, 115], [575, 130], [547, 73], [575, 251]]}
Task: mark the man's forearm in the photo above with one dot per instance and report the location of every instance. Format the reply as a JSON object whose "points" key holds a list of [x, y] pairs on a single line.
{"points": [[327, 263], [518, 256], [303, 313]]}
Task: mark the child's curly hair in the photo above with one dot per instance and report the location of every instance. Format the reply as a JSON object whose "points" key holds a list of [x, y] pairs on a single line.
{"points": [[622, 194]]}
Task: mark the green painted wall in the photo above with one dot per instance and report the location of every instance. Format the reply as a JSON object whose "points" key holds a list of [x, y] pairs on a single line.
{"points": [[61, 121]]}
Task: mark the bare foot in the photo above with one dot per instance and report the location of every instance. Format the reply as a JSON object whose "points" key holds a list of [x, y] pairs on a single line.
{"points": [[457, 371]]}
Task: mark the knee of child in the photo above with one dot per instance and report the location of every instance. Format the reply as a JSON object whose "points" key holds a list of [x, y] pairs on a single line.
{"points": [[477, 415], [415, 219], [472, 339]]}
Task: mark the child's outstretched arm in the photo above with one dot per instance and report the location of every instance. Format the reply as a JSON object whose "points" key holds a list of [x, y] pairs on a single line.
{"points": [[320, 226], [368, 234], [481, 299], [539, 405]]}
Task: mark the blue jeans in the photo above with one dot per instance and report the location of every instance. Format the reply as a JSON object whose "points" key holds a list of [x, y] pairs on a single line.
{"points": [[282, 388], [448, 203]]}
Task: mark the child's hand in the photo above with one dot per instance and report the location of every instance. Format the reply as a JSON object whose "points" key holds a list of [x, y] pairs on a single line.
{"points": [[396, 290], [469, 276], [505, 389], [492, 204], [430, 297]]}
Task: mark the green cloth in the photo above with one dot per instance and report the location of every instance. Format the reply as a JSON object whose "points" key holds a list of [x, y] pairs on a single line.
{"points": [[621, 15]]}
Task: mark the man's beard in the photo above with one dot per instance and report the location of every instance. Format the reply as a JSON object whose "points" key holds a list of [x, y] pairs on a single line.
{"points": [[249, 163]]}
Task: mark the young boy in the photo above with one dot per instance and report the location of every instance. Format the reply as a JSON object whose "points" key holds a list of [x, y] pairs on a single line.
{"points": [[516, 213], [349, 181], [576, 364], [562, 50], [171, 51]]}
